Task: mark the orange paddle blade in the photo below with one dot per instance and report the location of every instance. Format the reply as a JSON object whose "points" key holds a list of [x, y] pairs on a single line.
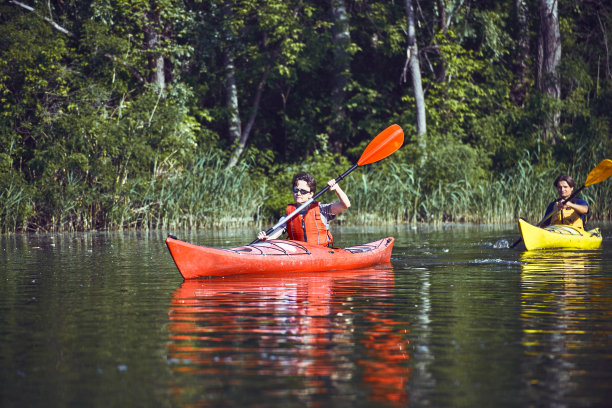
{"points": [[601, 172], [383, 145]]}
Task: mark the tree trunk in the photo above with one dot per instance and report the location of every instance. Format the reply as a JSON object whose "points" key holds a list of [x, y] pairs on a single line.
{"points": [[550, 43], [412, 63], [246, 132], [440, 68], [341, 74], [442, 23], [231, 99], [518, 93], [156, 59], [549, 57]]}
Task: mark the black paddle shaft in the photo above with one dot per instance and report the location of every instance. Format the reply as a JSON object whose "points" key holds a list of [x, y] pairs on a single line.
{"points": [[551, 214], [286, 218]]}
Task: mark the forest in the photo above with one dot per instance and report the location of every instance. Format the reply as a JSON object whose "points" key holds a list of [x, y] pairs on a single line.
{"points": [[185, 114]]}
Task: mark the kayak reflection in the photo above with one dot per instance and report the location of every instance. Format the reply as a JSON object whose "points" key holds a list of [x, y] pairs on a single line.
{"points": [[557, 311], [312, 335], [556, 260]]}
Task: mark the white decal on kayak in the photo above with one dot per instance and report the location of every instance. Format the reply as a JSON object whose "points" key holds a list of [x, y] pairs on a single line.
{"points": [[559, 229], [288, 248]]}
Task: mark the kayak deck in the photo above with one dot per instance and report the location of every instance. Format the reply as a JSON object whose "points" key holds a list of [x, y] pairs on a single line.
{"points": [[282, 247], [558, 236], [274, 256]]}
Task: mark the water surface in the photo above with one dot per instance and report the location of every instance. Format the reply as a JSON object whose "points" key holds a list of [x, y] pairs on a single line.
{"points": [[456, 319]]}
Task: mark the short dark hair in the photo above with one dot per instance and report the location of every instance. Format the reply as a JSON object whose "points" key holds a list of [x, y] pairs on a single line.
{"points": [[566, 178], [307, 177]]}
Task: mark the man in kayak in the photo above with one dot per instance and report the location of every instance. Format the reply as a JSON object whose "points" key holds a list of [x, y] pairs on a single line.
{"points": [[572, 212], [312, 223]]}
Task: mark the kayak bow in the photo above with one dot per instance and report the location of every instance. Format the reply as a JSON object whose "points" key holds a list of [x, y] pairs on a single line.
{"points": [[274, 256]]}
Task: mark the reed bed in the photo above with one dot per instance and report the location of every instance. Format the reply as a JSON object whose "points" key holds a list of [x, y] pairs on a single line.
{"points": [[398, 195], [15, 206], [208, 195], [204, 195]]}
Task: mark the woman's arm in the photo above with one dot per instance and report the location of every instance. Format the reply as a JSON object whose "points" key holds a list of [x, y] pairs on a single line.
{"points": [[579, 208], [344, 202]]}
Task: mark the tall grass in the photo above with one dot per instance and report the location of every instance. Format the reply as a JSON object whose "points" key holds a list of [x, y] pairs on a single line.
{"points": [[209, 195], [203, 195], [15, 204], [397, 194], [206, 194]]}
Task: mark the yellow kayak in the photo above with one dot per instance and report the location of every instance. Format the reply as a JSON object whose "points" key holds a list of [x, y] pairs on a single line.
{"points": [[558, 236]]}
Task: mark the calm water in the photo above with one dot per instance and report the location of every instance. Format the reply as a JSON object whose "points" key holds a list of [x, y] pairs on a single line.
{"points": [[457, 319]]}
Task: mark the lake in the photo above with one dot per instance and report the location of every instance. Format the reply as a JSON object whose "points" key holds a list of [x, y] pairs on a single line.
{"points": [[458, 319]]}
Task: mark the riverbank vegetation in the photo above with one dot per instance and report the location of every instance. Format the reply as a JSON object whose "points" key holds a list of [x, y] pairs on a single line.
{"points": [[189, 114]]}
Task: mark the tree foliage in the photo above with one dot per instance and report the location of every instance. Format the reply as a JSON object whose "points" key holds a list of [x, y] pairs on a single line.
{"points": [[105, 104]]}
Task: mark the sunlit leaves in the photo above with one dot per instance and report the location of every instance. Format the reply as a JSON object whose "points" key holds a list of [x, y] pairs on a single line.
{"points": [[79, 117]]}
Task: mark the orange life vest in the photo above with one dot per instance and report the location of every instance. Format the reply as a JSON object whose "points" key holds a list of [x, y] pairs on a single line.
{"points": [[308, 228], [567, 217]]}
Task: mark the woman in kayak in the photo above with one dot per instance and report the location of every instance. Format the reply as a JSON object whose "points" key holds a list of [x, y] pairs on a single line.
{"points": [[312, 223], [571, 212]]}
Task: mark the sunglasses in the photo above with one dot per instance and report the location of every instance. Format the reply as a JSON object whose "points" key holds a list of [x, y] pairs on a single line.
{"points": [[299, 190]]}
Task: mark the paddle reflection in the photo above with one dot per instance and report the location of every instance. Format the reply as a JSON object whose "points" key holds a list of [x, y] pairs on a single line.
{"points": [[312, 335]]}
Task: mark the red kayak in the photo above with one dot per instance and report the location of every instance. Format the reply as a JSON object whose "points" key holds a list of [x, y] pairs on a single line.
{"points": [[276, 256]]}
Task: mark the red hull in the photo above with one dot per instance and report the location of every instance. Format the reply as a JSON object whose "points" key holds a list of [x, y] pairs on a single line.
{"points": [[275, 256]]}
